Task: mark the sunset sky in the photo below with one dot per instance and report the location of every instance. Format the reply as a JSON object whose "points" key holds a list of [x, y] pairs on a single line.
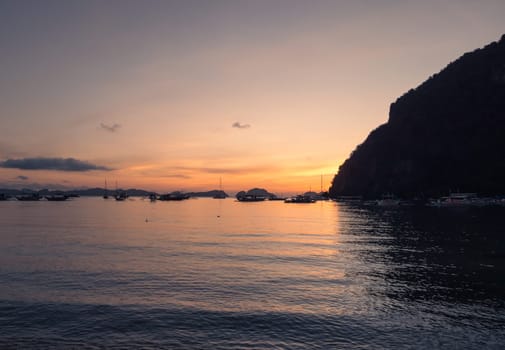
{"points": [[174, 95]]}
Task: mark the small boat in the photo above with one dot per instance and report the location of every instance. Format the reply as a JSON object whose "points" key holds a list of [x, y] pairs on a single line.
{"points": [[315, 196], [105, 194], [4, 197], [57, 197], [300, 199], [277, 198], [388, 200], [456, 200], [174, 196], [121, 196], [220, 194], [29, 197], [153, 197], [350, 199], [251, 198]]}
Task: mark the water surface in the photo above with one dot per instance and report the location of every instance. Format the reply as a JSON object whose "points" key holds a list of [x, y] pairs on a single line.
{"points": [[220, 274]]}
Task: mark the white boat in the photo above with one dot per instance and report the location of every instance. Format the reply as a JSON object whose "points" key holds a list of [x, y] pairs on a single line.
{"points": [[121, 196], [251, 198], [300, 199], [388, 200], [456, 200]]}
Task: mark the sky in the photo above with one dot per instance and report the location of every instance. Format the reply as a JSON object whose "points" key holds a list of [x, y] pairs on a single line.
{"points": [[178, 95]]}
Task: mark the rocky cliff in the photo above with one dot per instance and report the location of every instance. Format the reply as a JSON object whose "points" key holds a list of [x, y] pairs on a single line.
{"points": [[448, 134]]}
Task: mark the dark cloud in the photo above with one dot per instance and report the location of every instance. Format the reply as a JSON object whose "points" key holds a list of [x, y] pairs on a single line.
{"points": [[22, 177], [62, 164], [110, 128], [240, 126]]}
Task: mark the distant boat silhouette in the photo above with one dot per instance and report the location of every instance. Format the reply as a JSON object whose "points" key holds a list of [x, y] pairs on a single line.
{"points": [[57, 197], [174, 196], [120, 195], [221, 194], [29, 197], [4, 197], [300, 199], [277, 198], [251, 198], [388, 200], [105, 194]]}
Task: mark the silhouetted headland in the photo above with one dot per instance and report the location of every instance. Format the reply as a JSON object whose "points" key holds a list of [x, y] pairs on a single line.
{"points": [[444, 136]]}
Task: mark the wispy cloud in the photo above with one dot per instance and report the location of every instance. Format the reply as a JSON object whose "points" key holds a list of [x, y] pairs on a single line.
{"points": [[61, 164], [177, 176], [22, 177], [238, 125], [110, 128], [235, 170]]}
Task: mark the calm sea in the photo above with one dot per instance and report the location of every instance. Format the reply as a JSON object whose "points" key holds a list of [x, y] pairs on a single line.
{"points": [[218, 274]]}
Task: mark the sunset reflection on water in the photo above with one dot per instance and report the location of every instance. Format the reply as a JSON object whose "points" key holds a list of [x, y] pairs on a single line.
{"points": [[203, 253], [265, 274]]}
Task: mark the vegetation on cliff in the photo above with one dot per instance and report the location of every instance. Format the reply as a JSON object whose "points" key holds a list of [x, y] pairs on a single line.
{"points": [[446, 135]]}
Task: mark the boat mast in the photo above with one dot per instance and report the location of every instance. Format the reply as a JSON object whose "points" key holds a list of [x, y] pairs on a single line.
{"points": [[105, 194]]}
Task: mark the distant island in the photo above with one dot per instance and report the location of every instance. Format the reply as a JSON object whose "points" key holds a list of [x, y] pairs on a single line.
{"points": [[98, 192], [447, 135], [254, 195], [210, 194]]}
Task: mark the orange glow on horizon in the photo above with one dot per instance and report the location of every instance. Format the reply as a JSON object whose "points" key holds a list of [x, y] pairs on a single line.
{"points": [[173, 96], [188, 177]]}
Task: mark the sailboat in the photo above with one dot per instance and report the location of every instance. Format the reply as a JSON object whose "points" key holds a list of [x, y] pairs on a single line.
{"points": [[120, 195], [105, 194], [221, 194], [322, 196]]}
